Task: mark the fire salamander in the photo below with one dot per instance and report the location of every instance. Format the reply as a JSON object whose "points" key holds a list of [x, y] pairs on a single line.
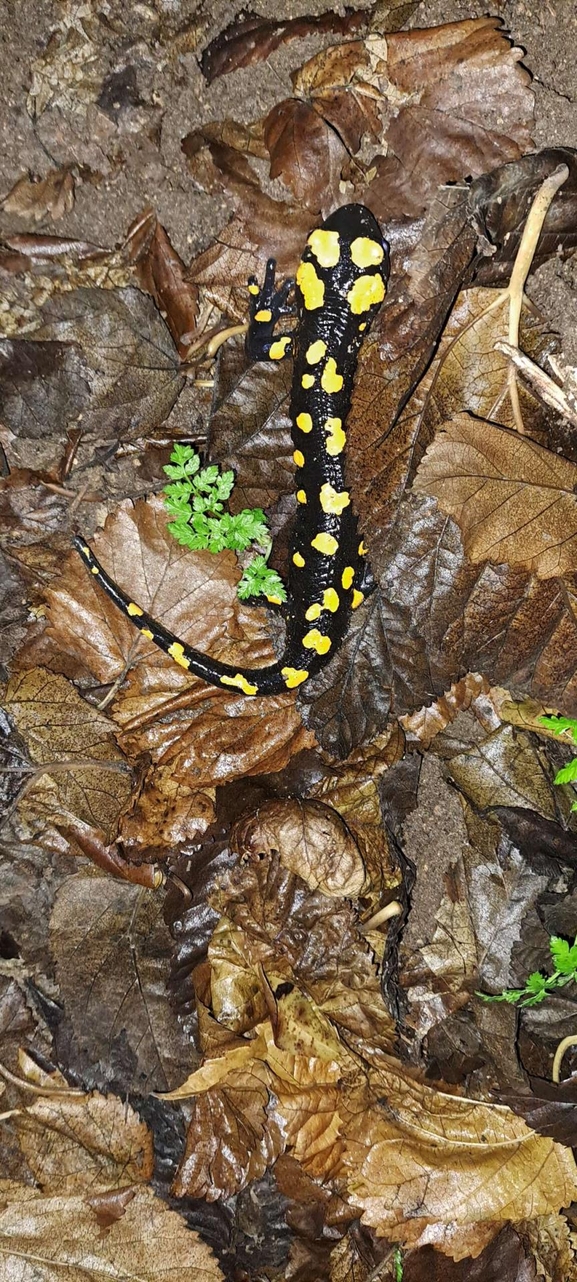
{"points": [[340, 285]]}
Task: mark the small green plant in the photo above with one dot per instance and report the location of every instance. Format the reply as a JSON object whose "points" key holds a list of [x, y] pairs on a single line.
{"points": [[195, 497], [564, 725], [538, 986], [398, 1264]]}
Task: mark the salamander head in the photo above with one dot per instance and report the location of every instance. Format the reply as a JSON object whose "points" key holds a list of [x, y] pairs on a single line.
{"points": [[353, 221]]}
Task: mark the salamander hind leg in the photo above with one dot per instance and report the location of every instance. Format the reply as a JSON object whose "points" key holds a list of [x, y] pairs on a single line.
{"points": [[267, 306]]}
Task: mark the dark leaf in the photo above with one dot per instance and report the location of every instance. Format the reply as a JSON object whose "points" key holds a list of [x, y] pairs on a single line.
{"points": [[548, 1107]]}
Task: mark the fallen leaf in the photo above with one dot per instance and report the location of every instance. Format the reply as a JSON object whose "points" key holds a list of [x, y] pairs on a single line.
{"points": [[307, 154], [133, 384], [237, 1110], [253, 39], [420, 1157], [465, 106], [503, 1260], [35, 198], [547, 1107], [513, 500], [85, 1144], [112, 953], [162, 273], [505, 770], [312, 841], [422, 726], [90, 779], [64, 1232], [166, 813]]}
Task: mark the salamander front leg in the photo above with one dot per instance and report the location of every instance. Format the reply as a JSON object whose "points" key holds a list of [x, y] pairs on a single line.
{"points": [[267, 306]]}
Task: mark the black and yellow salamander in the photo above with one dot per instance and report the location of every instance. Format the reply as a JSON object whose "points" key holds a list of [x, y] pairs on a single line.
{"points": [[340, 284]]}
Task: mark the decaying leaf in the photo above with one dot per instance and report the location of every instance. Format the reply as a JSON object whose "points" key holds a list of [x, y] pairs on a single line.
{"points": [[89, 779], [238, 1111], [419, 1151], [161, 272], [312, 841], [88, 1143], [65, 1232], [513, 500], [111, 950], [305, 153], [35, 198]]}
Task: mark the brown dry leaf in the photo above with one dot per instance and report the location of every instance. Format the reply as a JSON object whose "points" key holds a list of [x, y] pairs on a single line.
{"points": [[465, 105], [505, 770], [422, 726], [420, 1158], [552, 1246], [312, 841], [313, 1126], [162, 273], [205, 735], [253, 39], [513, 500], [46, 1238], [112, 952], [35, 198], [341, 84], [271, 922], [307, 154], [90, 779], [166, 813], [236, 1112], [86, 1144], [353, 790]]}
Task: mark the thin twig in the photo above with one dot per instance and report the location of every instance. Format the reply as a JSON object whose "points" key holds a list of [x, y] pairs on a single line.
{"points": [[544, 385], [394, 909]]}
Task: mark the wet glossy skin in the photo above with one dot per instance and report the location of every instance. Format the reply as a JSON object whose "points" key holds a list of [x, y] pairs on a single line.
{"points": [[339, 287]]}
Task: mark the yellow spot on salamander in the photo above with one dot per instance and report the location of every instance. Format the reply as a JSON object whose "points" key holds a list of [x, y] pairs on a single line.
{"points": [[358, 598], [133, 609], [331, 600], [298, 560], [366, 252], [325, 246], [336, 438], [278, 349], [365, 293], [265, 314], [325, 543], [294, 676], [274, 600], [299, 458], [362, 549], [330, 380], [305, 422], [308, 380], [311, 287], [313, 612], [332, 501], [314, 640], [301, 496], [176, 652], [147, 633], [315, 352], [94, 569], [241, 682], [254, 290], [347, 576], [86, 550], [362, 326]]}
